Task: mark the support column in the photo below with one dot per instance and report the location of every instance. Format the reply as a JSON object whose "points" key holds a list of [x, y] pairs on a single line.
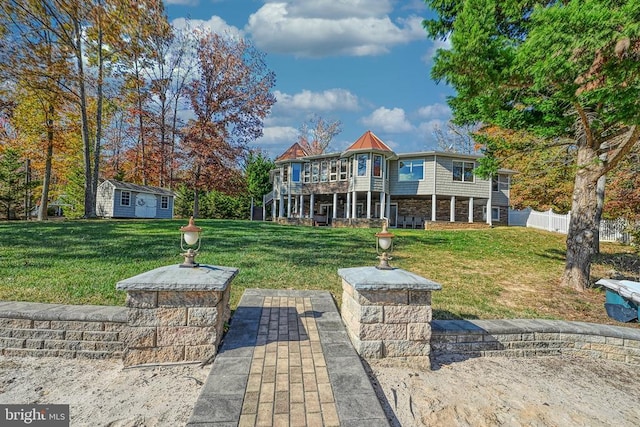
{"points": [[452, 209], [347, 209], [369, 204], [289, 205], [312, 207], [383, 205], [301, 206], [387, 314], [335, 206], [388, 207], [354, 205], [281, 205], [434, 207], [470, 209]]}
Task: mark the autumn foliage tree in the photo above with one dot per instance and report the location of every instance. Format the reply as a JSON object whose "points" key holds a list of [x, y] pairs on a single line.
{"points": [[230, 99], [554, 69]]}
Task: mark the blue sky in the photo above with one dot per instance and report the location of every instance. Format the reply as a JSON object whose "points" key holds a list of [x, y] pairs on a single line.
{"points": [[366, 63]]}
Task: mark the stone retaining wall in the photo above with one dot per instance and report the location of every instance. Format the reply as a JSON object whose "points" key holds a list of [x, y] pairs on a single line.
{"points": [[34, 329], [532, 338]]}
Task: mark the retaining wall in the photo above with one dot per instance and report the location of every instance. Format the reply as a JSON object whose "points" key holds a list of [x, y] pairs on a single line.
{"points": [[532, 338], [69, 331]]}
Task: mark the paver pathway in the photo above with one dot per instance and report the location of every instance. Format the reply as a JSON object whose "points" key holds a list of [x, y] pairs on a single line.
{"points": [[287, 361]]}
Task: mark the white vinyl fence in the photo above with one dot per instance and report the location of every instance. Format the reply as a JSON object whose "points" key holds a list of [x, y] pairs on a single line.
{"points": [[610, 230]]}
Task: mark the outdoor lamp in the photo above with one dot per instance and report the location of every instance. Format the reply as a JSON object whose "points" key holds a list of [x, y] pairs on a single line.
{"points": [[190, 235], [384, 242]]}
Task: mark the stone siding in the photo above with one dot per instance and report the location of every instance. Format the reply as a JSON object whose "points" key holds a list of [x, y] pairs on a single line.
{"points": [[533, 338], [68, 331]]}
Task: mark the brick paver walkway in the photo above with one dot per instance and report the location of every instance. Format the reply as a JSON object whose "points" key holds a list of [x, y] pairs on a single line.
{"points": [[287, 361]]}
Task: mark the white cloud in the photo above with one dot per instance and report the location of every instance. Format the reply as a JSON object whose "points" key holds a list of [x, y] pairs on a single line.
{"points": [[434, 111], [325, 28], [393, 121], [328, 100], [215, 24], [276, 135]]}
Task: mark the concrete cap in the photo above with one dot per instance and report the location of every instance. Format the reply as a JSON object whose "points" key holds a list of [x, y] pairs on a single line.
{"points": [[176, 278], [372, 279]]}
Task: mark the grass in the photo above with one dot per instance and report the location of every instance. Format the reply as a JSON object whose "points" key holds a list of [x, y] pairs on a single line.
{"points": [[503, 272]]}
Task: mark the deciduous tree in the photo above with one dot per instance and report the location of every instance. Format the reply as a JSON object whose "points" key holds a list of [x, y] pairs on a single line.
{"points": [[316, 134], [560, 70]]}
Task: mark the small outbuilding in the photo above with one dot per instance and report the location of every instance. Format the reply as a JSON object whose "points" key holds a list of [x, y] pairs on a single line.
{"points": [[117, 199]]}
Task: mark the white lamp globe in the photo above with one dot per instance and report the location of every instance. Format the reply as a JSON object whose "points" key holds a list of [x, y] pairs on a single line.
{"points": [[191, 237], [384, 242]]}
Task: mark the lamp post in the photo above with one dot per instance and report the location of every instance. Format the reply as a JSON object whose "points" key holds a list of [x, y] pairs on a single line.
{"points": [[384, 242], [190, 236]]}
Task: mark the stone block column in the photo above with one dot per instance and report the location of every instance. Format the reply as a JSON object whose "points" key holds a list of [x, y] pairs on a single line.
{"points": [[387, 313], [176, 314]]}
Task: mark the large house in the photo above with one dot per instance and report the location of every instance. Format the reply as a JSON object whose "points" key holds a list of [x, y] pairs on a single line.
{"points": [[369, 181]]}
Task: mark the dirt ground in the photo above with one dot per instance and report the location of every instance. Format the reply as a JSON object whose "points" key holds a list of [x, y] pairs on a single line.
{"points": [[554, 391]]}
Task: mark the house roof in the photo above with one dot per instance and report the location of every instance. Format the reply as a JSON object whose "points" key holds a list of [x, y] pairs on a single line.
{"points": [[127, 186], [294, 152], [369, 142]]}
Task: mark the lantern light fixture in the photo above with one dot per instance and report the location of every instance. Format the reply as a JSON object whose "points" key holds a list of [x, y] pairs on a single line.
{"points": [[190, 243], [384, 243]]}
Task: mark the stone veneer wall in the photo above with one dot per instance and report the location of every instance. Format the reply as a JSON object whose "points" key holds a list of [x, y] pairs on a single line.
{"points": [[533, 338], [68, 331], [174, 326]]}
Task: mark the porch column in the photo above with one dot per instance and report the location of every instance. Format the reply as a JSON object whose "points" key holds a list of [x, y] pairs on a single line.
{"points": [[289, 205], [335, 205], [470, 209], [295, 206], [281, 206], [354, 205], [434, 210], [301, 206], [452, 209], [382, 204], [387, 208], [369, 204], [347, 209], [489, 213], [312, 203]]}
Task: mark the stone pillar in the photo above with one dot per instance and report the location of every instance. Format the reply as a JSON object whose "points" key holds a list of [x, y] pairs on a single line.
{"points": [[387, 313], [176, 314]]}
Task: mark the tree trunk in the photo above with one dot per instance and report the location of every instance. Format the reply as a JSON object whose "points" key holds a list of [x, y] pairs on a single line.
{"points": [[582, 226], [97, 143], [600, 187], [44, 198]]}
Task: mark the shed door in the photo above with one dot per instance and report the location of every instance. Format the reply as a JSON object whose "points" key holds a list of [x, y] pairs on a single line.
{"points": [[146, 205]]}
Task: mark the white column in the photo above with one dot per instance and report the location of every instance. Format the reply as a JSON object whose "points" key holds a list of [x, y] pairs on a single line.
{"points": [[489, 219], [289, 205], [383, 204], [301, 206], [354, 204], [452, 209], [369, 204], [281, 205], [312, 203], [347, 209], [470, 209], [335, 205], [434, 209], [387, 208]]}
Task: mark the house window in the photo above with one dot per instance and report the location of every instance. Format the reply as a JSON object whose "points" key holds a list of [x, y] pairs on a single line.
{"points": [[411, 170], [362, 164], [324, 172], [463, 171], [495, 214], [125, 198], [306, 174], [295, 172], [315, 172], [285, 174], [333, 175], [500, 183], [377, 166], [164, 202], [344, 169]]}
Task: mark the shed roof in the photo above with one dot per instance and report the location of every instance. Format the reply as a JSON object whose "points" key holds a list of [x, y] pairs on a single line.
{"points": [[127, 186]]}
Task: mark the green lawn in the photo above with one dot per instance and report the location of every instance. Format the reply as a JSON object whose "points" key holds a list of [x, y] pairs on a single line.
{"points": [[493, 273]]}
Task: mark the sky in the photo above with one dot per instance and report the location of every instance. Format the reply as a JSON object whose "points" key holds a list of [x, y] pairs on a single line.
{"points": [[366, 63]]}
